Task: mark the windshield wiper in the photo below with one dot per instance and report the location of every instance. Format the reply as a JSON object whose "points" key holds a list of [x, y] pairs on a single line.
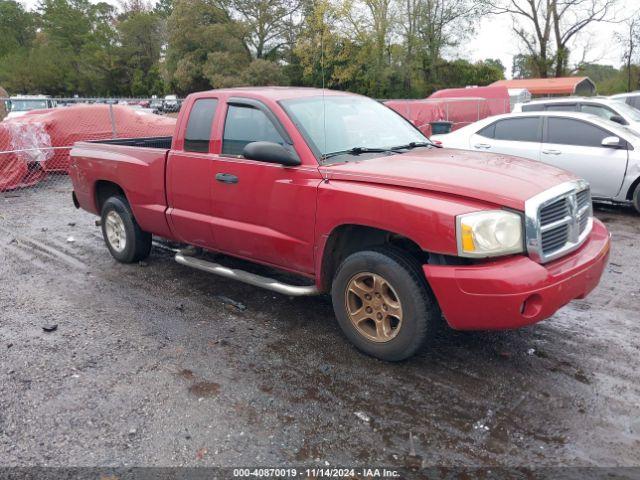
{"points": [[412, 145], [355, 151]]}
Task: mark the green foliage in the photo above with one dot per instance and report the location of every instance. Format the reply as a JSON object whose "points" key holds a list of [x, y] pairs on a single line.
{"points": [[204, 47], [140, 35], [523, 66], [164, 8], [17, 27], [380, 48], [610, 80]]}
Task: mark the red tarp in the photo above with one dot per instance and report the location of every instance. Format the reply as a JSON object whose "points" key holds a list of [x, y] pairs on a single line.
{"points": [[463, 111], [496, 98], [459, 111], [419, 112], [37, 132]]}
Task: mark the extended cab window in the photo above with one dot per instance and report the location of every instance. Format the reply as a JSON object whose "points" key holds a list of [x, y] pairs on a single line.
{"points": [[245, 124], [198, 134], [518, 129], [565, 131]]}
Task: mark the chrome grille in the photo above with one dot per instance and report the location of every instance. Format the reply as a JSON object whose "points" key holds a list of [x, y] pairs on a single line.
{"points": [[554, 239], [558, 220], [554, 212]]}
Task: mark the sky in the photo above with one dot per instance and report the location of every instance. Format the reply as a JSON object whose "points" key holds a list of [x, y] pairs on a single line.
{"points": [[494, 38]]}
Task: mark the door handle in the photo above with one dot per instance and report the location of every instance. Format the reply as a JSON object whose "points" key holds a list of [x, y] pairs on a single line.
{"points": [[226, 178], [551, 152], [482, 145]]}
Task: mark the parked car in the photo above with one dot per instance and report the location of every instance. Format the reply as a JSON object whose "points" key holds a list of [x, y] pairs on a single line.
{"points": [[171, 104], [604, 153], [358, 204], [156, 105], [21, 104], [631, 98], [607, 108]]}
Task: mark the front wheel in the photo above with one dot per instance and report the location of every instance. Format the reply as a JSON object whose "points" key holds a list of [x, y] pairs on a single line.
{"points": [[126, 241], [383, 304]]}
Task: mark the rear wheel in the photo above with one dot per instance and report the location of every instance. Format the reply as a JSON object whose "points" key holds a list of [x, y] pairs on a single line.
{"points": [[636, 198], [124, 238], [383, 304]]}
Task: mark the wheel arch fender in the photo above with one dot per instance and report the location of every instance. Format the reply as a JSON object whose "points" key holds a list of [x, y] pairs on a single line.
{"points": [[348, 238]]}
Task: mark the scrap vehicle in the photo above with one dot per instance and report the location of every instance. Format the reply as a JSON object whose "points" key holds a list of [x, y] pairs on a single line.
{"points": [[630, 98], [22, 104], [346, 197], [603, 152], [171, 104], [610, 109]]}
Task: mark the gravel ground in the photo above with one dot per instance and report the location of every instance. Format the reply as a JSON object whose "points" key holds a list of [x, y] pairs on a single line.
{"points": [[158, 364]]}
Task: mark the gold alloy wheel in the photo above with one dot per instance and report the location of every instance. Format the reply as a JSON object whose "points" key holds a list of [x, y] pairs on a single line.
{"points": [[373, 307]]}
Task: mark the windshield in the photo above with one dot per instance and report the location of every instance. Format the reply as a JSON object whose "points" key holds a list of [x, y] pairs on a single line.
{"points": [[26, 105], [627, 111], [349, 122]]}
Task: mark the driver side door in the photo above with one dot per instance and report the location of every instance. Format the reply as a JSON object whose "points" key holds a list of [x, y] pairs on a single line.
{"points": [[262, 211]]}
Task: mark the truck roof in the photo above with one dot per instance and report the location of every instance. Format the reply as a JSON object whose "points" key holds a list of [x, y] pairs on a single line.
{"points": [[275, 93]]}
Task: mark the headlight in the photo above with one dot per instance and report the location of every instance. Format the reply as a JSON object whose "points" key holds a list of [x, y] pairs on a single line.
{"points": [[489, 234]]}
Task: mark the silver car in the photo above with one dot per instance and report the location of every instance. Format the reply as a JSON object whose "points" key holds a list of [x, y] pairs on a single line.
{"points": [[607, 108], [604, 153]]}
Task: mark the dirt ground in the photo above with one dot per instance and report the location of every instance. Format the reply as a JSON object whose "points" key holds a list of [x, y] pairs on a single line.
{"points": [[158, 364]]}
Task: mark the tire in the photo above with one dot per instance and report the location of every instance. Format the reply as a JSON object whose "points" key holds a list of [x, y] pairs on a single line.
{"points": [[405, 286], [636, 198], [118, 222]]}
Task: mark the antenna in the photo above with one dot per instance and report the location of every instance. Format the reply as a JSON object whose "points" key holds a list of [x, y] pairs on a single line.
{"points": [[324, 110]]}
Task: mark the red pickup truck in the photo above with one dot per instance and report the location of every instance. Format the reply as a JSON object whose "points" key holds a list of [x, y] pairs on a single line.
{"points": [[348, 198]]}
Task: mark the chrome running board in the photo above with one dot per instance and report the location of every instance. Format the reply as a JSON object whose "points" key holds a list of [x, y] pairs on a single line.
{"points": [[245, 277]]}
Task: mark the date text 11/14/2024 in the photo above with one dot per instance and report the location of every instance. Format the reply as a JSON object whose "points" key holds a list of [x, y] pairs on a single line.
{"points": [[315, 473]]}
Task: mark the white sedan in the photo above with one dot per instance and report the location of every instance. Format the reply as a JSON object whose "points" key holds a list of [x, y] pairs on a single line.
{"points": [[604, 153]]}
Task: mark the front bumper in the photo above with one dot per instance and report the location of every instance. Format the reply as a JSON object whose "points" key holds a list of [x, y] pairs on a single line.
{"points": [[517, 291]]}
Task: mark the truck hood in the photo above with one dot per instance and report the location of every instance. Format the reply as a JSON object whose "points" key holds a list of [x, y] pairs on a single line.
{"points": [[500, 179]]}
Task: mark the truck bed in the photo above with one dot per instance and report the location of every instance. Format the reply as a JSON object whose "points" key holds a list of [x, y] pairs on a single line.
{"points": [[134, 165]]}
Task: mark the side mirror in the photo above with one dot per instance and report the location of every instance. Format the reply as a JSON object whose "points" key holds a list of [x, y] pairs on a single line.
{"points": [[269, 152], [611, 142], [617, 119]]}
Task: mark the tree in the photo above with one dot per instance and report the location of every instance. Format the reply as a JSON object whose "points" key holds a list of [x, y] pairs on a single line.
{"points": [[164, 8], [81, 39], [17, 27], [325, 56], [431, 26], [524, 66], [266, 23], [3, 105], [263, 72], [202, 45], [570, 17], [140, 34], [547, 28], [17, 33], [630, 41]]}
